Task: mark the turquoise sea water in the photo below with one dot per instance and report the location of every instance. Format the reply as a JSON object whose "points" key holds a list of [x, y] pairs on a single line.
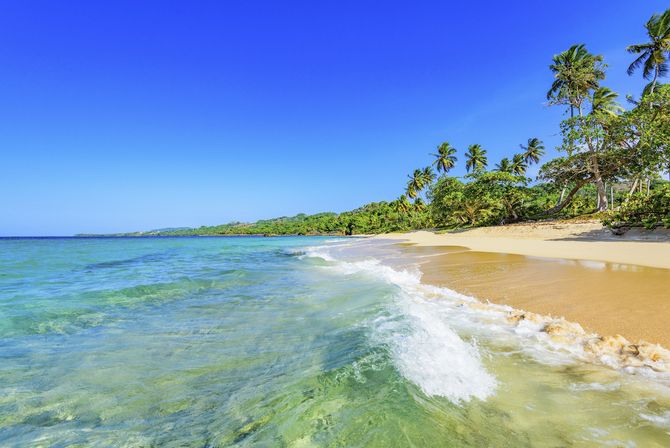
{"points": [[205, 342]]}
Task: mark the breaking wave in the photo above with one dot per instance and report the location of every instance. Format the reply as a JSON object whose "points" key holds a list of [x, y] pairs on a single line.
{"points": [[434, 342]]}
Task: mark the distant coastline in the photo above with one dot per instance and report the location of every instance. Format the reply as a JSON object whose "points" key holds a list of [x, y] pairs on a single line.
{"points": [[227, 235], [373, 218]]}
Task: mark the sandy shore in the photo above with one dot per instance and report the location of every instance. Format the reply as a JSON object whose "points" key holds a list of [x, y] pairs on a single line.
{"points": [[608, 284], [576, 241]]}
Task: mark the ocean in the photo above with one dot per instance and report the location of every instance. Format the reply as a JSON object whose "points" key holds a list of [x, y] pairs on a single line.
{"points": [[287, 342]]}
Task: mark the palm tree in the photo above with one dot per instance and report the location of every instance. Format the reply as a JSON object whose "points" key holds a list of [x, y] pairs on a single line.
{"points": [[604, 101], [410, 191], [653, 55], [504, 166], [427, 177], [414, 184], [476, 158], [533, 151], [419, 205], [519, 165], [445, 159], [576, 72], [402, 205]]}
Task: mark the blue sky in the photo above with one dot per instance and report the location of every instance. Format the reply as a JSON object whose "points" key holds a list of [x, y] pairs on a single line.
{"points": [[120, 116]]}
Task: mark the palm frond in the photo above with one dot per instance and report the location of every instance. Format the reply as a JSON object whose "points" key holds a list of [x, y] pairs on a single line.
{"points": [[636, 63]]}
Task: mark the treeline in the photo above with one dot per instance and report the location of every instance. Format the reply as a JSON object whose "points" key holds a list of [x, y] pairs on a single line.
{"points": [[377, 217], [610, 164]]}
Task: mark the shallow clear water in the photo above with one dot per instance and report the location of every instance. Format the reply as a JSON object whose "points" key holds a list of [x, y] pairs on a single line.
{"points": [[282, 342]]}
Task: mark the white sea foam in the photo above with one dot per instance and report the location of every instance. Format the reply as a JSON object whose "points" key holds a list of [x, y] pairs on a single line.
{"points": [[662, 420], [425, 349], [597, 387], [434, 357], [317, 252], [433, 340]]}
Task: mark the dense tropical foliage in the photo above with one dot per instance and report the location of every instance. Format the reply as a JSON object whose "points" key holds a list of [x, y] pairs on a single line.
{"points": [[643, 209], [610, 162], [377, 217], [611, 158]]}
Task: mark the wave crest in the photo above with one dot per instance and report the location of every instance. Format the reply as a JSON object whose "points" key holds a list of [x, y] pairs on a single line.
{"points": [[433, 355], [425, 350]]}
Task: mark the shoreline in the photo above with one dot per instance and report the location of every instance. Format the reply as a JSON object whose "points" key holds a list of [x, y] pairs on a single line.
{"points": [[572, 241], [606, 285]]}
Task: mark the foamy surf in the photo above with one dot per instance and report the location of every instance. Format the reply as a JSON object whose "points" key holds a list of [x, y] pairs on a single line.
{"points": [[425, 349], [546, 339], [433, 356]]}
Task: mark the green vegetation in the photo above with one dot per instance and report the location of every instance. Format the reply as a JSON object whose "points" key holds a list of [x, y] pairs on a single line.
{"points": [[649, 210], [610, 163], [377, 217], [607, 152], [654, 54]]}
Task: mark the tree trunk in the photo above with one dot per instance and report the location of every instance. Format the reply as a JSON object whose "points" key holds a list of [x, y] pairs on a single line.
{"points": [[568, 199], [653, 82], [562, 194], [600, 185], [597, 177], [631, 191]]}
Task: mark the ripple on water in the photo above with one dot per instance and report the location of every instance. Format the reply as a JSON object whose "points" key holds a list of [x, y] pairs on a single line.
{"points": [[229, 342]]}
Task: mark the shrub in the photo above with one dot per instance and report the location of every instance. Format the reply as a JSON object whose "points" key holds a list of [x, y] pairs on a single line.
{"points": [[642, 210]]}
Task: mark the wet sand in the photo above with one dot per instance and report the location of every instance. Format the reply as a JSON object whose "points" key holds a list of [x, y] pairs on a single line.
{"points": [[610, 285], [606, 298]]}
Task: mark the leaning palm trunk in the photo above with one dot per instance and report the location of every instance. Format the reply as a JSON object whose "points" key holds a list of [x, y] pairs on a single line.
{"points": [[568, 199]]}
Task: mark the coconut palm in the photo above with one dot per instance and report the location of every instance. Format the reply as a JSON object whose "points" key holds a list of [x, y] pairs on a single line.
{"points": [[402, 205], [475, 158], [533, 150], [576, 72], [604, 101], [411, 191], [504, 166], [419, 205], [445, 159], [519, 165], [427, 177], [653, 55], [414, 184]]}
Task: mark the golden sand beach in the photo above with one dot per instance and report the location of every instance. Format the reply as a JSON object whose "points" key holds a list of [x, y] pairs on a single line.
{"points": [[608, 284]]}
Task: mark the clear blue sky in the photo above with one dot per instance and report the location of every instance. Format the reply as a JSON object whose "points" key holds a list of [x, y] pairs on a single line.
{"points": [[119, 116]]}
